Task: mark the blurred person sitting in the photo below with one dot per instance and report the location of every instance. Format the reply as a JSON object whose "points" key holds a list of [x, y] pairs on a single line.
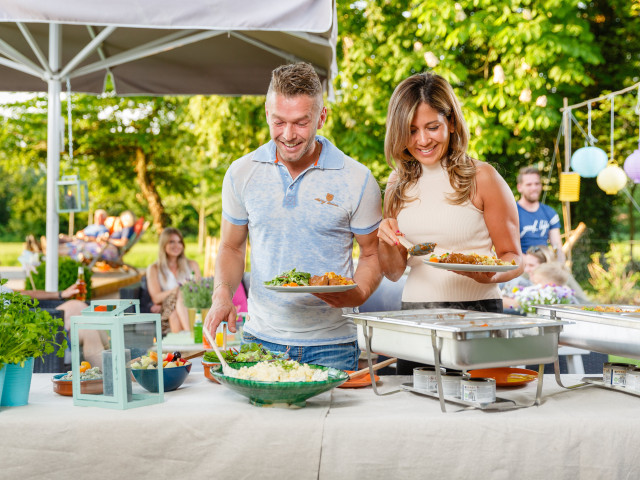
{"points": [[164, 278], [106, 245], [546, 274], [88, 234], [536, 256]]}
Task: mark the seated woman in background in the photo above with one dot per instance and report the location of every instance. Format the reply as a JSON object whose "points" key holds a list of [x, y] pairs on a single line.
{"points": [[164, 278]]}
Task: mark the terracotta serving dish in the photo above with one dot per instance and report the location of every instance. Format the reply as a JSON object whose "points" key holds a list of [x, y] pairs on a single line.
{"points": [[207, 370], [64, 387]]}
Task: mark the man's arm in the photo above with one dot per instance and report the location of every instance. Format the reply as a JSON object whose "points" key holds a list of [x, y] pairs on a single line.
{"points": [[367, 275], [556, 242], [229, 270]]}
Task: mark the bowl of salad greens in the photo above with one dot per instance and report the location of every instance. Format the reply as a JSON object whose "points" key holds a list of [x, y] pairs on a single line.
{"points": [[248, 353]]}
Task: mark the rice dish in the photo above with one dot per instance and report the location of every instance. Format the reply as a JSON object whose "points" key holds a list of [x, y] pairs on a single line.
{"points": [[282, 371], [91, 374]]}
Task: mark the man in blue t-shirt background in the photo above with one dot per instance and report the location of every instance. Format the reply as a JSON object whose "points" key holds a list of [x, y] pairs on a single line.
{"points": [[539, 223]]}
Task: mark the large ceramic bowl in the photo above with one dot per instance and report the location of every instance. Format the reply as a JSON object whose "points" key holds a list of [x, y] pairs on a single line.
{"points": [[271, 393], [64, 387], [173, 377]]}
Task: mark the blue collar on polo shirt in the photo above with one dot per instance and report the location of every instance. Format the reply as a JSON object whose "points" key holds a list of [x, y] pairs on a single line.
{"points": [[331, 158]]}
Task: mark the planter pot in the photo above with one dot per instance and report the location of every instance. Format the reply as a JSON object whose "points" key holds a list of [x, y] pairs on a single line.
{"points": [[2, 374], [17, 383]]}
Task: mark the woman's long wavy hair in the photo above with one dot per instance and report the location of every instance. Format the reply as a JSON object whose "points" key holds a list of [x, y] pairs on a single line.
{"points": [[436, 92], [163, 264]]}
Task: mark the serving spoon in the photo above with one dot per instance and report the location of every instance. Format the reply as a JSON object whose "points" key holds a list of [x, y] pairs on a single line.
{"points": [[417, 250]]}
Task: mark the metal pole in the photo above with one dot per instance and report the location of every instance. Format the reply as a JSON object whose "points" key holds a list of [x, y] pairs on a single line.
{"points": [[566, 210], [53, 157]]}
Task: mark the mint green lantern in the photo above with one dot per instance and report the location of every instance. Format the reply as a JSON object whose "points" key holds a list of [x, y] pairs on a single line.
{"points": [[125, 336], [72, 194]]}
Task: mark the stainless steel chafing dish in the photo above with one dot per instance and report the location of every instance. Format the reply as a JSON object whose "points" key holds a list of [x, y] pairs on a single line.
{"points": [[616, 333], [463, 339]]}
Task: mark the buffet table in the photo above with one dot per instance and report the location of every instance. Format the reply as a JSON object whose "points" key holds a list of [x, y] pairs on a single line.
{"points": [[205, 430]]}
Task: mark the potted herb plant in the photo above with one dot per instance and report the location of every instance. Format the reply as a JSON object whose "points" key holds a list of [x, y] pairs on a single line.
{"points": [[26, 333]]}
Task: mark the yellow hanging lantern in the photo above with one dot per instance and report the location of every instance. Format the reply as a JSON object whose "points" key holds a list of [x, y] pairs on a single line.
{"points": [[612, 179], [569, 187]]}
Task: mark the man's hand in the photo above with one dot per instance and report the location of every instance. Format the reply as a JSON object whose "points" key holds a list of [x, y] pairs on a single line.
{"points": [[222, 310], [349, 298]]}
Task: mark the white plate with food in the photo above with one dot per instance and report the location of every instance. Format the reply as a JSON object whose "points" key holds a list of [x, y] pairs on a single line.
{"points": [[311, 288], [468, 267]]}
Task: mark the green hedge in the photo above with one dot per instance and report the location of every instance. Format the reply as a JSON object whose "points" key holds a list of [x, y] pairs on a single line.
{"points": [[67, 275]]}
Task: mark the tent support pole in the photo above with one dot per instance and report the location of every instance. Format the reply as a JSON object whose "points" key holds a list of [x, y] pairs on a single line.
{"points": [[53, 157]]}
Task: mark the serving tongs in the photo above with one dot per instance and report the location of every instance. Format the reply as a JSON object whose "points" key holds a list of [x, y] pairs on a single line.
{"points": [[418, 249], [377, 366], [226, 369]]}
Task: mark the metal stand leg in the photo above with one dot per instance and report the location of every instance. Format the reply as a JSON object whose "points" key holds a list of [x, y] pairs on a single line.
{"points": [[367, 341], [556, 371], [436, 357]]}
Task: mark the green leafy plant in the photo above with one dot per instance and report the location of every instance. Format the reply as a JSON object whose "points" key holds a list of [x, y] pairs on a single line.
{"points": [[614, 281], [197, 293], [26, 330], [67, 274]]}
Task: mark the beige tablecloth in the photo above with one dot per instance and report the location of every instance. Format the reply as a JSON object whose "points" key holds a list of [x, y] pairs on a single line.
{"points": [[204, 430]]}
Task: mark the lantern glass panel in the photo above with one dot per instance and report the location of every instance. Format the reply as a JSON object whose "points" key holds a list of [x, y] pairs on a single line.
{"points": [[111, 339], [72, 194]]}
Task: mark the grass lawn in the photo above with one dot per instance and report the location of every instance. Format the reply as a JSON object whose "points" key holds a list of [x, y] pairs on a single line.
{"points": [[141, 255]]}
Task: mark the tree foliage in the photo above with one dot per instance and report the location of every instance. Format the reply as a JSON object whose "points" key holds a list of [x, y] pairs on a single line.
{"points": [[547, 50]]}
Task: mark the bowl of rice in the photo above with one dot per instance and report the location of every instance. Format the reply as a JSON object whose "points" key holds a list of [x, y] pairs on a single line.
{"points": [[280, 382]]}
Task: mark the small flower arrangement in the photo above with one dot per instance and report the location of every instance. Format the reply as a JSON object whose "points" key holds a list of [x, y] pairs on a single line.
{"points": [[197, 293], [532, 295]]}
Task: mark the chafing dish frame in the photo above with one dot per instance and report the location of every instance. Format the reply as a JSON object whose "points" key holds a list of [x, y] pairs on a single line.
{"points": [[604, 332], [443, 328]]}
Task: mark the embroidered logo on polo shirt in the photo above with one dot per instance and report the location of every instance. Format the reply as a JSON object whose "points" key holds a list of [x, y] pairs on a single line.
{"points": [[329, 197]]}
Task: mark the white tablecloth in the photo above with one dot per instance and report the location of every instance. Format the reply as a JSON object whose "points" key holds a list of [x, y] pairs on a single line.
{"points": [[204, 430]]}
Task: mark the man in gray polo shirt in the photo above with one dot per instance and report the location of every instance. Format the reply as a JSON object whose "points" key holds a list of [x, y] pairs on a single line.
{"points": [[301, 201]]}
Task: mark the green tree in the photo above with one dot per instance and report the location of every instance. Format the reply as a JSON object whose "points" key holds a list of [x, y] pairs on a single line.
{"points": [[510, 63]]}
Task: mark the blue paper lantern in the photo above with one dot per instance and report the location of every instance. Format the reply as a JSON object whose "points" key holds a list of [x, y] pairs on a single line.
{"points": [[588, 162], [632, 166]]}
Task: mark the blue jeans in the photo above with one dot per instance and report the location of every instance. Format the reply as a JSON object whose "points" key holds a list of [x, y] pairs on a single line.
{"points": [[343, 356]]}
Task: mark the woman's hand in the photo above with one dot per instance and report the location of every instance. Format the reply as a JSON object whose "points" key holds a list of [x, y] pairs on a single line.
{"points": [[70, 291], [388, 231]]}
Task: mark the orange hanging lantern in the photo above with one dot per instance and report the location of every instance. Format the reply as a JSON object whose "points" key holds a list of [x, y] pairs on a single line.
{"points": [[569, 187]]}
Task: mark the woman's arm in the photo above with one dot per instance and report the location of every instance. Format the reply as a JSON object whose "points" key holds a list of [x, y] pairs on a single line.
{"points": [[392, 255], [153, 284], [495, 199]]}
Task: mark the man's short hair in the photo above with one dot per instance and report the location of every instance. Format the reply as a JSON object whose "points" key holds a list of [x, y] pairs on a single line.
{"points": [[527, 171], [295, 79]]}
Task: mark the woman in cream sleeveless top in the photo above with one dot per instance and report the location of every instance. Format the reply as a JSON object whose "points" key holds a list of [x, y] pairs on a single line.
{"points": [[437, 193]]}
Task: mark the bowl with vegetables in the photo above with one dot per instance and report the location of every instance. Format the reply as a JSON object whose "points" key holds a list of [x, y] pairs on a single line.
{"points": [[249, 352], [90, 381], [280, 382], [175, 371]]}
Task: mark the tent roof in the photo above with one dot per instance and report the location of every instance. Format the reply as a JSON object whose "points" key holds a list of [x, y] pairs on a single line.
{"points": [[163, 47]]}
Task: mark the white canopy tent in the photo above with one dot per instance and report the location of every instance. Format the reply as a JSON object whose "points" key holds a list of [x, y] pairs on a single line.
{"points": [[154, 47]]}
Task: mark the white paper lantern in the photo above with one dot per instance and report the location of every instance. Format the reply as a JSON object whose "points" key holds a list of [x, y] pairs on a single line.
{"points": [[612, 179]]}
